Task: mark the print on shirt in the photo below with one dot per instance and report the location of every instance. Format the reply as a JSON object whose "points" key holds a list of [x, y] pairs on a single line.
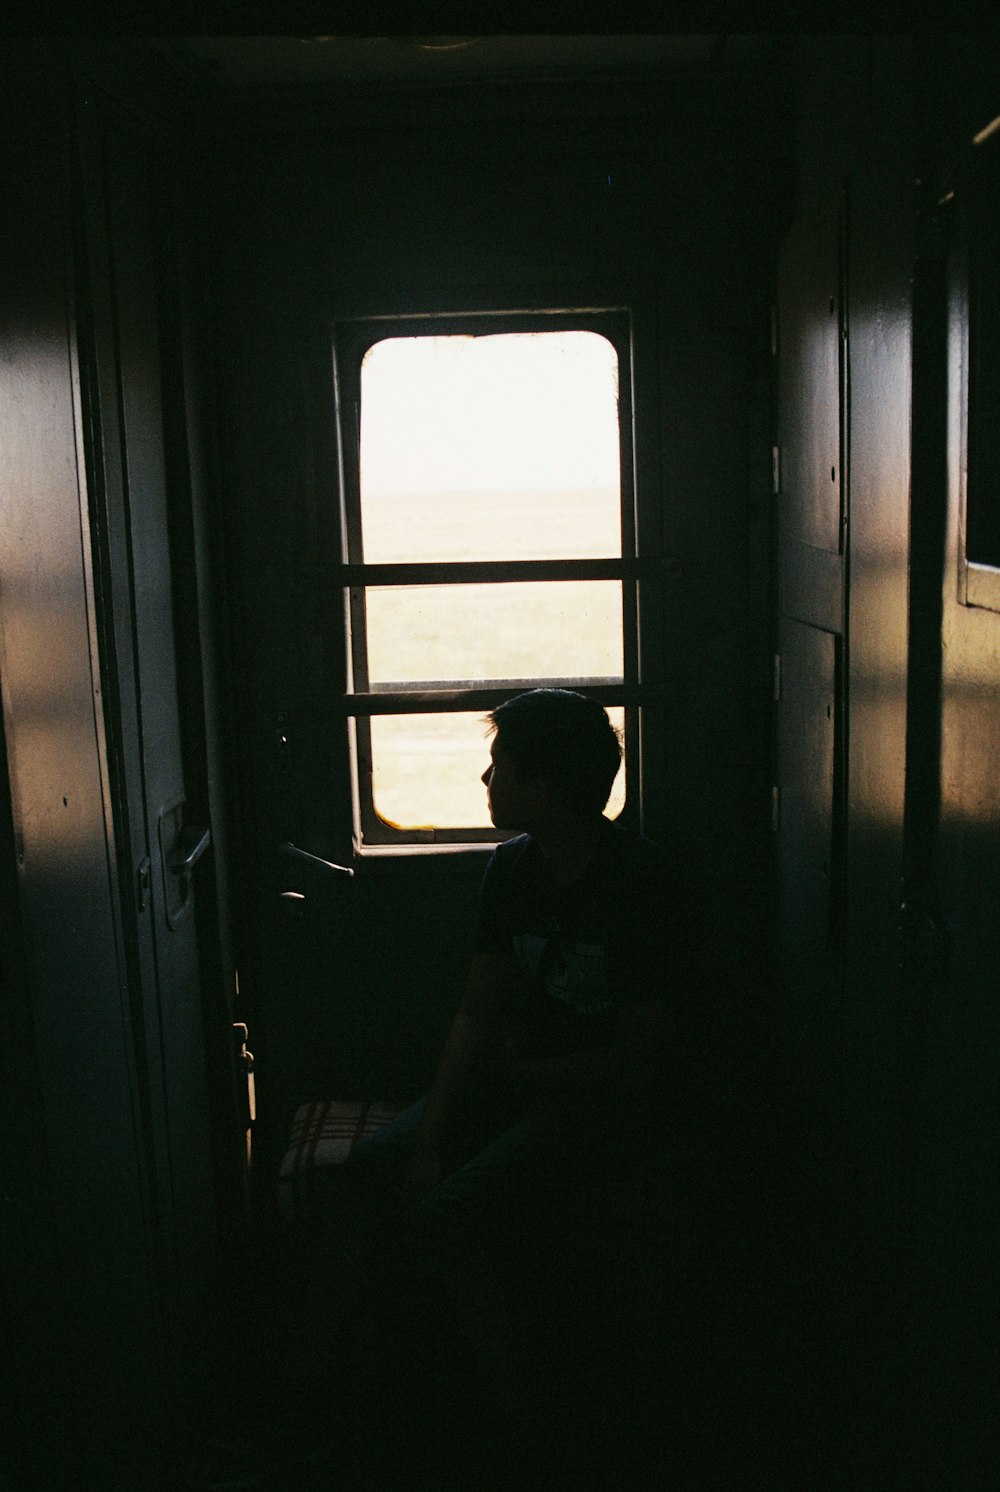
{"points": [[572, 973]]}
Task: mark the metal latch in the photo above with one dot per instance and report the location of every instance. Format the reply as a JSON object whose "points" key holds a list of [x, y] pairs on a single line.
{"points": [[244, 1062], [181, 847]]}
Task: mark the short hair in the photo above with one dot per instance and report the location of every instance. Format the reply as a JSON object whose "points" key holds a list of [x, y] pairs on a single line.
{"points": [[564, 739]]}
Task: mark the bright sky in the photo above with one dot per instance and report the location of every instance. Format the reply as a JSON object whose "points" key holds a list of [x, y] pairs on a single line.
{"points": [[528, 411]]}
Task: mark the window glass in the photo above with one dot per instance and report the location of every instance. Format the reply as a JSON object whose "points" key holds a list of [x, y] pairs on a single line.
{"points": [[474, 633], [490, 448], [427, 770]]}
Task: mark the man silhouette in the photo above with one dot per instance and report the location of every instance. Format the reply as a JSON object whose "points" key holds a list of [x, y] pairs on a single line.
{"points": [[543, 1115]]}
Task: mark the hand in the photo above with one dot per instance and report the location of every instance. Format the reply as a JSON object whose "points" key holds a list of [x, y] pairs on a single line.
{"points": [[423, 1174], [506, 1089]]}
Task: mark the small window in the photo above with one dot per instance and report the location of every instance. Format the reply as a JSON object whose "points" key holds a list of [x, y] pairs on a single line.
{"points": [[489, 530], [983, 499]]}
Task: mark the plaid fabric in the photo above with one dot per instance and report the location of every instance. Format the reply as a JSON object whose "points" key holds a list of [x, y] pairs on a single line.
{"points": [[323, 1136]]}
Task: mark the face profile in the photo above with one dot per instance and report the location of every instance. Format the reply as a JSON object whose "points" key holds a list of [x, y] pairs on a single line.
{"points": [[505, 795], [555, 753]]}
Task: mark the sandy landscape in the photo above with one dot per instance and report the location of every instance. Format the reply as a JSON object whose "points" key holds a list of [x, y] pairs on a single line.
{"points": [[427, 768]]}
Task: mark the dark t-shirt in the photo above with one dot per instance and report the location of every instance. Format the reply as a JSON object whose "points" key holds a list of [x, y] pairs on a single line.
{"points": [[581, 950]]}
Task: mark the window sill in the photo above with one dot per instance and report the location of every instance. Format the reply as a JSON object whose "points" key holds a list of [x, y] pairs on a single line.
{"points": [[387, 859]]}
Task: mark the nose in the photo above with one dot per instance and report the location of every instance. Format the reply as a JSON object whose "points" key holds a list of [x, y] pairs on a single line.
{"points": [[485, 779]]}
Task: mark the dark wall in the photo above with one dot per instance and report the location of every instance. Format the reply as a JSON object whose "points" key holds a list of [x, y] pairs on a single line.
{"points": [[952, 927], [556, 194], [887, 965], [844, 432], [79, 1281], [111, 1200]]}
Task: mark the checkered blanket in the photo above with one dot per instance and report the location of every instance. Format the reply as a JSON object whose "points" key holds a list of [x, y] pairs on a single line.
{"points": [[322, 1136]]}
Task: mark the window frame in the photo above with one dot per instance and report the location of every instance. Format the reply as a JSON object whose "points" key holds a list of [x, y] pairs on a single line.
{"points": [[978, 306], [352, 336]]}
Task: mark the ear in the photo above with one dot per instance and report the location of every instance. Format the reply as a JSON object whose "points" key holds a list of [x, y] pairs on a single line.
{"points": [[540, 795]]}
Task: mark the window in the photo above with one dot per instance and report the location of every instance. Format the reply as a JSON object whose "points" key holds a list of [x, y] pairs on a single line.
{"points": [[982, 494], [490, 547]]}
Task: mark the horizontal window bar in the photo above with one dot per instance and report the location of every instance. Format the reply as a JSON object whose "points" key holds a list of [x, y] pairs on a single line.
{"points": [[601, 313], [437, 686], [405, 700], [462, 573]]}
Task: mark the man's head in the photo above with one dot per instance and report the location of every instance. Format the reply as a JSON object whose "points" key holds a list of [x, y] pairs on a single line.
{"points": [[553, 749]]}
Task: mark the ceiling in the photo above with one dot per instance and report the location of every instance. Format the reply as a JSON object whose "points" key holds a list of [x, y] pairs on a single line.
{"points": [[275, 62]]}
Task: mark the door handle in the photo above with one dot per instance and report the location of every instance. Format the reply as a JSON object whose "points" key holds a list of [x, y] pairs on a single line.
{"points": [[189, 848], [292, 852], [181, 847]]}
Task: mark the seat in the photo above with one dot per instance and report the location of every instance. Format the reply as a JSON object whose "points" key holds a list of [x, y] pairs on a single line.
{"points": [[322, 1136]]}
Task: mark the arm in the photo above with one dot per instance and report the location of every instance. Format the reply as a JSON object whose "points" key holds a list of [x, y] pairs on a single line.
{"points": [[465, 1061]]}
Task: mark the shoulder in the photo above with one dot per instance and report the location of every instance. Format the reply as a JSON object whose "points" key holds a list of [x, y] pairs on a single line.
{"points": [[502, 891], [510, 864], [512, 855], [511, 850]]}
